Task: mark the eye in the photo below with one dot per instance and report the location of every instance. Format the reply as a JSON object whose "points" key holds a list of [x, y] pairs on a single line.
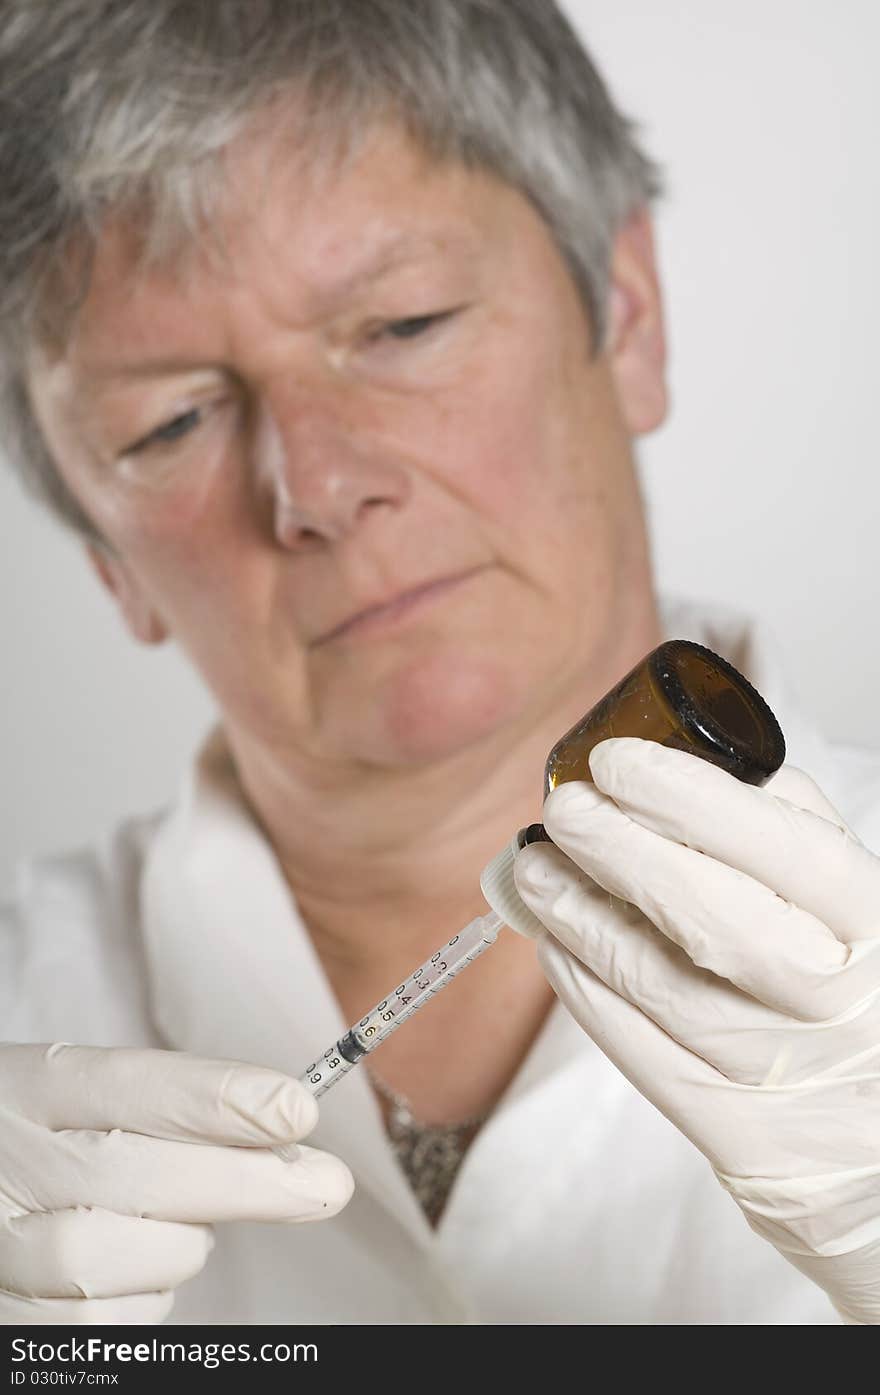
{"points": [[172, 431], [413, 325]]}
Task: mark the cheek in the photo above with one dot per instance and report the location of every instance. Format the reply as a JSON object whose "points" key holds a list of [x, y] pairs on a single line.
{"points": [[194, 566], [532, 447], [218, 607], [189, 537], [177, 507]]}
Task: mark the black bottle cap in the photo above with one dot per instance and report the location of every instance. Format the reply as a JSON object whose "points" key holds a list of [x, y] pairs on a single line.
{"points": [[535, 833]]}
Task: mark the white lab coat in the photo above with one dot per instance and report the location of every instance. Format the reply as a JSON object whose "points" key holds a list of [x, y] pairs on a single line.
{"points": [[577, 1203]]}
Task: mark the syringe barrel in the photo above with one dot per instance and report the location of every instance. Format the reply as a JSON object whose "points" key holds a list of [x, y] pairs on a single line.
{"points": [[407, 998]]}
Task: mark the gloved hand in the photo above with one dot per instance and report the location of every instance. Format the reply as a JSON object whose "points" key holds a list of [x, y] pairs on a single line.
{"points": [[114, 1162], [736, 983]]}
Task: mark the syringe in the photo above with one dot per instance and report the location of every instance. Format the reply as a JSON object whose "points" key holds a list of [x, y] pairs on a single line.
{"points": [[416, 990]]}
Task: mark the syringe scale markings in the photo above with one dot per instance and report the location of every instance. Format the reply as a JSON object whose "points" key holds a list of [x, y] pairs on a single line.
{"points": [[416, 990]]}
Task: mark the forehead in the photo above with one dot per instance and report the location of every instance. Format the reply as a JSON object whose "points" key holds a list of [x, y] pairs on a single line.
{"points": [[317, 230]]}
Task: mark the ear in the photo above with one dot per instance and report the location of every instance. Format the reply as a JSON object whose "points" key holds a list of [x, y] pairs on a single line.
{"points": [[635, 339], [142, 621]]}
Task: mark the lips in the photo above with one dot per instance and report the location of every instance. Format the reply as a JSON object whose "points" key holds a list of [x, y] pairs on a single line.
{"points": [[394, 607]]}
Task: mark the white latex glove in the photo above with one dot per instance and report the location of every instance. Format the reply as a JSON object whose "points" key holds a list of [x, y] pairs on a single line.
{"points": [[739, 988], [114, 1162]]}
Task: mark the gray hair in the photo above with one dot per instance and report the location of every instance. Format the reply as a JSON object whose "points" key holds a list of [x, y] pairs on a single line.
{"points": [[114, 104]]}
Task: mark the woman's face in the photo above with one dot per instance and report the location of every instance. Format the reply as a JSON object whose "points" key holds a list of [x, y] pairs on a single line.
{"points": [[360, 462]]}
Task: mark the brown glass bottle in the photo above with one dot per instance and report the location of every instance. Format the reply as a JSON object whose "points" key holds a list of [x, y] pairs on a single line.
{"points": [[680, 695]]}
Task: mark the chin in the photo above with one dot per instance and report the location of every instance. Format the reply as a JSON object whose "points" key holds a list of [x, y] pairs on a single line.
{"points": [[433, 710]]}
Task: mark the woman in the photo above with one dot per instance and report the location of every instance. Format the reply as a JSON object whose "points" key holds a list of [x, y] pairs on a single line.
{"points": [[331, 332]]}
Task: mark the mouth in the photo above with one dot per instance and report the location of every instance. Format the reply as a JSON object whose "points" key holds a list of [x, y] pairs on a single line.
{"points": [[386, 614]]}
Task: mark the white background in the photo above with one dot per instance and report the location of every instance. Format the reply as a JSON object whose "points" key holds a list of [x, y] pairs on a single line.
{"points": [[762, 488]]}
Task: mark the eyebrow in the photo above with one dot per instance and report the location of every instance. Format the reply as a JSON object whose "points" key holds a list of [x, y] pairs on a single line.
{"points": [[402, 250]]}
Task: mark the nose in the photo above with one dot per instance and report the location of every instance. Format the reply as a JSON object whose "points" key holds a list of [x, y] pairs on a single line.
{"points": [[321, 474]]}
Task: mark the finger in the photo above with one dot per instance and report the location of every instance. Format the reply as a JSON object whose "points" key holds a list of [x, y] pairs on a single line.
{"points": [[136, 1308], [723, 919], [676, 1082], [742, 1038], [815, 1130], [166, 1094], [800, 789], [138, 1176], [90, 1253], [811, 861]]}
